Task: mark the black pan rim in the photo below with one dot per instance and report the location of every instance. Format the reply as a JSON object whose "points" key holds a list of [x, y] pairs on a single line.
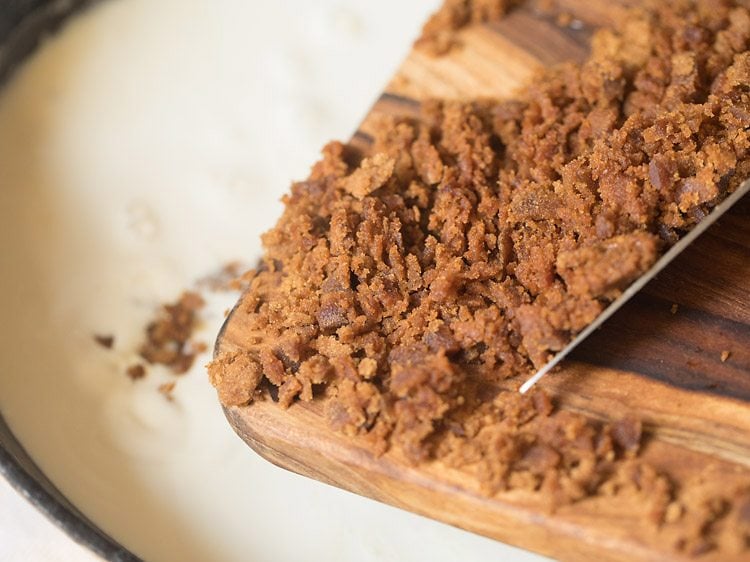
{"points": [[50, 502], [27, 23]]}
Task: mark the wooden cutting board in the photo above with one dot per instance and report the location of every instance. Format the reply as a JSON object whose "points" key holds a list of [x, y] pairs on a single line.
{"points": [[665, 366]]}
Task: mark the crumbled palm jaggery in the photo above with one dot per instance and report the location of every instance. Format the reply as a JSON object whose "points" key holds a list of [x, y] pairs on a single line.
{"points": [[513, 441], [167, 389], [168, 337], [439, 33], [136, 371], [107, 341], [712, 516], [472, 244]]}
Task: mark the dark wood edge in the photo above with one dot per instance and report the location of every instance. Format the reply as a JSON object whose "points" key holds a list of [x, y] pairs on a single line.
{"points": [[354, 459]]}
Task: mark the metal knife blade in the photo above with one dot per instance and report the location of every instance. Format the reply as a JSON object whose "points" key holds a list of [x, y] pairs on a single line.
{"points": [[638, 284]]}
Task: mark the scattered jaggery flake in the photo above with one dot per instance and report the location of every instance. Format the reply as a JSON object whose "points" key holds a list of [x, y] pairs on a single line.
{"points": [[168, 336], [231, 277], [136, 371], [675, 307], [439, 33], [725, 355], [107, 341], [167, 390]]}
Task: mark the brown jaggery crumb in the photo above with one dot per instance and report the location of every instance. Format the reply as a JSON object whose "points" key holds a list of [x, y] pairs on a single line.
{"points": [[604, 269], [168, 337], [136, 371], [470, 245], [439, 33], [725, 355], [167, 390], [106, 341], [236, 376], [713, 516]]}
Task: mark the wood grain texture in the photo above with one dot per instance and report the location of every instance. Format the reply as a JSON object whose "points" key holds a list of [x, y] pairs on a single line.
{"points": [[666, 366]]}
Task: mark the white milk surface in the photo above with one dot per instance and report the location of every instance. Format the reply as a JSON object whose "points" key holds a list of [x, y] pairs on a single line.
{"points": [[140, 149]]}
